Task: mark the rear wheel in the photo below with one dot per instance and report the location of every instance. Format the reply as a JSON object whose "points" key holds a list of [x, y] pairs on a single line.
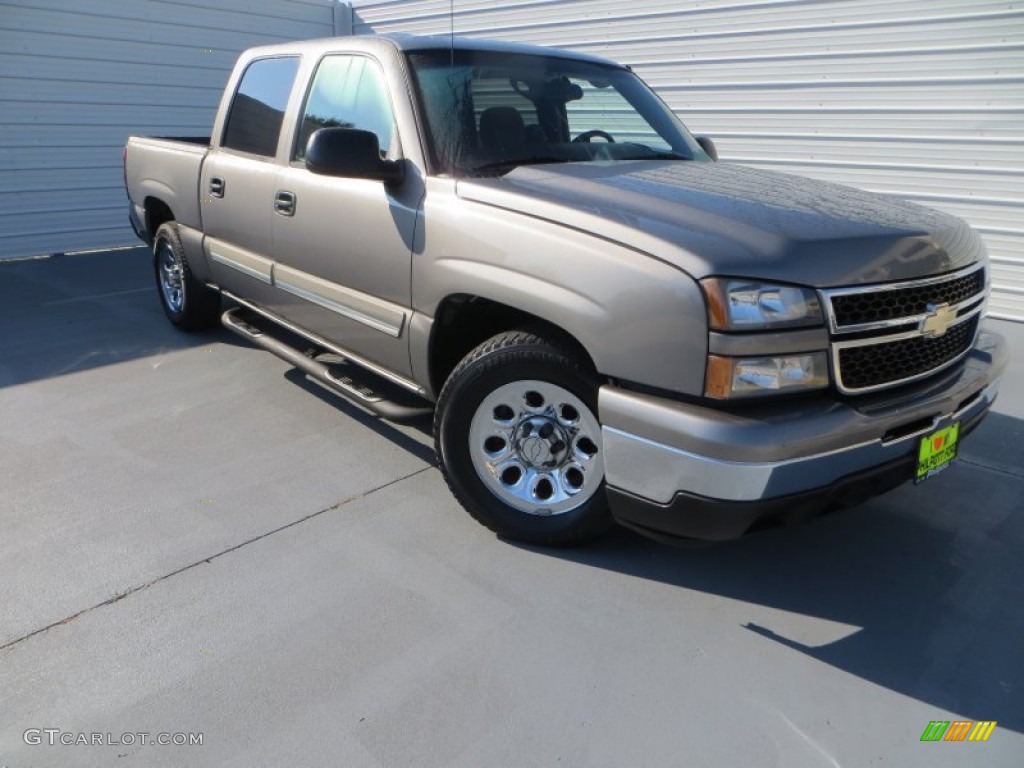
{"points": [[188, 304], [519, 442]]}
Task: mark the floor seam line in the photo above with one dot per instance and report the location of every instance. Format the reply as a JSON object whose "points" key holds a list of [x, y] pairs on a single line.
{"points": [[1002, 470], [207, 560]]}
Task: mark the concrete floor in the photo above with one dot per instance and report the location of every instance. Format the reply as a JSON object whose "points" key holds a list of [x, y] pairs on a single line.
{"points": [[194, 539]]}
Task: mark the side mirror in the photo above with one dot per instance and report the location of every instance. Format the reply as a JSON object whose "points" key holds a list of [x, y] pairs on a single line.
{"points": [[352, 153], [708, 146]]}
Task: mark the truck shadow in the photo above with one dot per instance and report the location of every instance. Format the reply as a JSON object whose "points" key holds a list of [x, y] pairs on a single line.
{"points": [[931, 575], [67, 314], [421, 429]]}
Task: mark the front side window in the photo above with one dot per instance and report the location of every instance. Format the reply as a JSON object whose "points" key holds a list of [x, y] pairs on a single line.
{"points": [[257, 111], [347, 92], [489, 112]]}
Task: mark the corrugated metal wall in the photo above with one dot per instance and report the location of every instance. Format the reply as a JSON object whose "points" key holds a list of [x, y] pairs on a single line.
{"points": [[918, 98], [78, 76]]}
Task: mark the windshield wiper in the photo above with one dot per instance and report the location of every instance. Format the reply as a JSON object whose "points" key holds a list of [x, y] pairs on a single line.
{"points": [[504, 166]]}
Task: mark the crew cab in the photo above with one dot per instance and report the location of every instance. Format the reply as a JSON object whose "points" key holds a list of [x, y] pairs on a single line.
{"points": [[604, 323]]}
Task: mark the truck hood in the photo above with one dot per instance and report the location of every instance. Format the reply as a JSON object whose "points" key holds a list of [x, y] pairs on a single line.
{"points": [[732, 220]]}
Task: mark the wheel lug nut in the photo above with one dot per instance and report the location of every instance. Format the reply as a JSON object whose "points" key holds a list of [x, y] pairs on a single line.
{"points": [[557, 447], [546, 430]]}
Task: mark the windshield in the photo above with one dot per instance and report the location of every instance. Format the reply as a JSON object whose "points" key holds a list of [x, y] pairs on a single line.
{"points": [[489, 112]]}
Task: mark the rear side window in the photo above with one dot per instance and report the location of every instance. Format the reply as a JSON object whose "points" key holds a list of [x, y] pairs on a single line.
{"points": [[347, 92], [257, 111]]}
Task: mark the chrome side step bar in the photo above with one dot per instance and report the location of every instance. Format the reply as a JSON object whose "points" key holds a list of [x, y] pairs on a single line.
{"points": [[358, 393], [279, 322]]}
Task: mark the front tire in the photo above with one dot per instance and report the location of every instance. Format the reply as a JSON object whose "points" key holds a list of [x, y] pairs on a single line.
{"points": [[519, 443], [188, 304]]}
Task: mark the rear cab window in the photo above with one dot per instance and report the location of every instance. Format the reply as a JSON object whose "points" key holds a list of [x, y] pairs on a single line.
{"points": [[254, 120]]}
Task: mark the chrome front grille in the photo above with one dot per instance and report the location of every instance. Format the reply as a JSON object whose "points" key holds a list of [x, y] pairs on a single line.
{"points": [[891, 334], [876, 305], [868, 366]]}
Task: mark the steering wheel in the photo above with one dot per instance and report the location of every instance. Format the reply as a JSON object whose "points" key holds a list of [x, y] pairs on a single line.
{"points": [[586, 136]]}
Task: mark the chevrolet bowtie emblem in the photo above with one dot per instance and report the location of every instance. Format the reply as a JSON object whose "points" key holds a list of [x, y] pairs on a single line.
{"points": [[938, 320]]}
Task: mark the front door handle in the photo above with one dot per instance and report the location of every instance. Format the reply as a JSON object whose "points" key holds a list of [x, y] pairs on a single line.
{"points": [[216, 186], [284, 203]]}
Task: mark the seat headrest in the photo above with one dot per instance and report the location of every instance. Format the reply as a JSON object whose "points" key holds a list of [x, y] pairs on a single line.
{"points": [[502, 129]]}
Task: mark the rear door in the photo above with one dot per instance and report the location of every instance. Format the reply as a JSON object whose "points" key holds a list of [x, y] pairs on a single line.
{"points": [[343, 246], [237, 182]]}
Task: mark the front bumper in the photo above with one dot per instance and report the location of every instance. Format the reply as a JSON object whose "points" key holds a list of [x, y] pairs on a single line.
{"points": [[691, 471]]}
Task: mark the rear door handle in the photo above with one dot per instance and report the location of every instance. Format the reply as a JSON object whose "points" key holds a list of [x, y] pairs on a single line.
{"points": [[284, 203], [216, 186]]}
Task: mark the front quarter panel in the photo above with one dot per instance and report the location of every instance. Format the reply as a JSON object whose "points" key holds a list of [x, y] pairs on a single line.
{"points": [[641, 320]]}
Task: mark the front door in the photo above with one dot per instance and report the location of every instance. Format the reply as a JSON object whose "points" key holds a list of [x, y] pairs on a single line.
{"points": [[342, 246]]}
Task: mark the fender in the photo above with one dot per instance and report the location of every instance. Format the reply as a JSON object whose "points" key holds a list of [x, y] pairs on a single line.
{"points": [[638, 318]]}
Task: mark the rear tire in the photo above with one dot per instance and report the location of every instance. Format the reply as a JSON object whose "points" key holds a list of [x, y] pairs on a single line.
{"points": [[519, 443], [188, 304]]}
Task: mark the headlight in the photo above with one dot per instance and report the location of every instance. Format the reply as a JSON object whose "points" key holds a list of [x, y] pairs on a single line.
{"points": [[746, 305], [729, 377]]}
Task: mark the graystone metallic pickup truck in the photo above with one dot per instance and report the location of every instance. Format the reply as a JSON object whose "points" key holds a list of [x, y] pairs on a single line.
{"points": [[606, 324]]}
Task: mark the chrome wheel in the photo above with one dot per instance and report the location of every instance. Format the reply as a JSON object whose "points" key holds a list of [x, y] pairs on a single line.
{"points": [[537, 447], [172, 277], [188, 303]]}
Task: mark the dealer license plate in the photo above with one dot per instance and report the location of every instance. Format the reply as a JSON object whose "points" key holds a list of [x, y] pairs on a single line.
{"points": [[937, 451]]}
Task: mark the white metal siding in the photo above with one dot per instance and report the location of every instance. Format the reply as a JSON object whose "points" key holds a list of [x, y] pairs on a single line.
{"points": [[921, 99], [78, 76]]}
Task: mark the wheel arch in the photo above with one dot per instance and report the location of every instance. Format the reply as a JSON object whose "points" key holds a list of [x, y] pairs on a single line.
{"points": [[465, 320], [158, 213]]}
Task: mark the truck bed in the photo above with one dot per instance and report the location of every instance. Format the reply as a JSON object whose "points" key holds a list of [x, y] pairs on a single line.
{"points": [[167, 168]]}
